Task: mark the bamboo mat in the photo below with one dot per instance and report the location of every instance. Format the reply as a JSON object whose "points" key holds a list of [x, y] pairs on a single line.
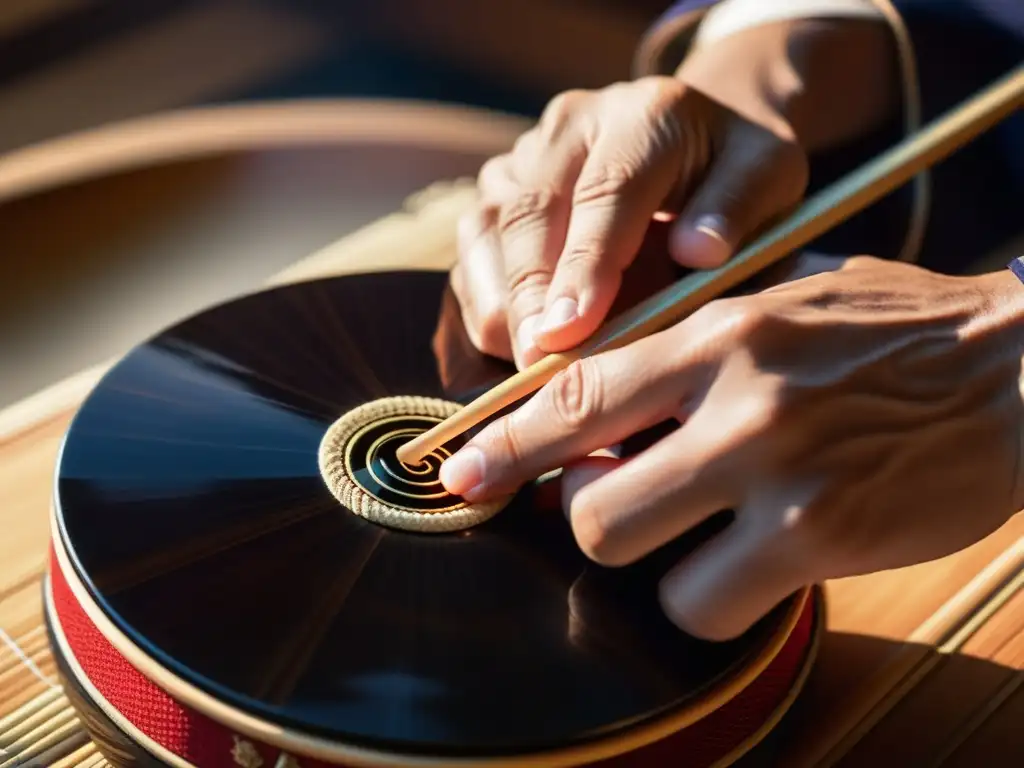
{"points": [[926, 663]]}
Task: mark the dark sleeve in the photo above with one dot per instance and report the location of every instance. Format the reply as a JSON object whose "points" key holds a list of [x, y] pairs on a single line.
{"points": [[1017, 267], [960, 47]]}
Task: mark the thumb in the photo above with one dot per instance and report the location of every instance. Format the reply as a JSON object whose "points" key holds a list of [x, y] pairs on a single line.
{"points": [[756, 178]]}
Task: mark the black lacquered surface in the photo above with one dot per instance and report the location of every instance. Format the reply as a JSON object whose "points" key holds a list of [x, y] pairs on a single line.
{"points": [[194, 510]]}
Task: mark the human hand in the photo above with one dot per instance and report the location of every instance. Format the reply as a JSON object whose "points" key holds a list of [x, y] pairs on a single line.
{"points": [[561, 217], [464, 371], [856, 420], [720, 147]]}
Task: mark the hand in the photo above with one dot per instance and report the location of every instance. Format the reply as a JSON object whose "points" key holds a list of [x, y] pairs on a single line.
{"points": [[855, 420], [561, 217], [462, 368], [721, 148]]}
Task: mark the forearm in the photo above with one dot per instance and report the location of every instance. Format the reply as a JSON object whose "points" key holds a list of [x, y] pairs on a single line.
{"points": [[830, 80]]}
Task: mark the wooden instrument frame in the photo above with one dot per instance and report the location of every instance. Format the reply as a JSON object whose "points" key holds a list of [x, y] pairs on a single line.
{"points": [[297, 743], [892, 643]]}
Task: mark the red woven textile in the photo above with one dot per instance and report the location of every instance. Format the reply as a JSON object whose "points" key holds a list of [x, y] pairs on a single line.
{"points": [[206, 743]]}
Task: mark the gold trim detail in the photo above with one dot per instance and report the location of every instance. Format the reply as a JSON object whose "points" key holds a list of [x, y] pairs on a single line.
{"points": [[97, 698], [314, 747], [335, 461], [191, 133], [769, 725], [937, 643]]}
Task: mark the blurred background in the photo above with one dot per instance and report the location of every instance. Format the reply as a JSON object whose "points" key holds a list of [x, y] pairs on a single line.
{"points": [[93, 261], [66, 65], [159, 156]]}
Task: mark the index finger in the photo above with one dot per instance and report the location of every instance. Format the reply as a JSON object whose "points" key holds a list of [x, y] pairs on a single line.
{"points": [[619, 189], [595, 402], [531, 228]]}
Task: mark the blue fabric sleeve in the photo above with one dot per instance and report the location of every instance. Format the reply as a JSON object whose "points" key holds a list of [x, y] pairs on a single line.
{"points": [[1017, 267], [684, 7]]}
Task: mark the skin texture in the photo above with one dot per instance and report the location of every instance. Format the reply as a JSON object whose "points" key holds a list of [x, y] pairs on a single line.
{"points": [[856, 414], [562, 216], [720, 149], [856, 420]]}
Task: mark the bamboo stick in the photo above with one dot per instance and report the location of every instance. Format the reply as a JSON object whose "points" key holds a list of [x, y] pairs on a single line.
{"points": [[831, 206]]}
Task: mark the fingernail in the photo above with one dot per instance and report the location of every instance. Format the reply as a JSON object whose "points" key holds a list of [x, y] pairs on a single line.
{"points": [[464, 471], [524, 336], [562, 312], [701, 243]]}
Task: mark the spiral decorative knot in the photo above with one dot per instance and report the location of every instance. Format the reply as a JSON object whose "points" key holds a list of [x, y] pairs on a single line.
{"points": [[359, 464]]}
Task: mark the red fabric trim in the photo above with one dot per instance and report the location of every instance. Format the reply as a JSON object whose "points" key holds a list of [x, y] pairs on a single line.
{"points": [[208, 744]]}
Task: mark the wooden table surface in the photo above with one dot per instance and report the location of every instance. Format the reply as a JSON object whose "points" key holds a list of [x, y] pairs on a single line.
{"points": [[920, 666]]}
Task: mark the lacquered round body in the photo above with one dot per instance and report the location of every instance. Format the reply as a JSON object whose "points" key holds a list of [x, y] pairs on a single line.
{"points": [[191, 506]]}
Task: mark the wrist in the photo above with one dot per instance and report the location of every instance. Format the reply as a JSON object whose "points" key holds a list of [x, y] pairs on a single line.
{"points": [[998, 325], [817, 81], [999, 308]]}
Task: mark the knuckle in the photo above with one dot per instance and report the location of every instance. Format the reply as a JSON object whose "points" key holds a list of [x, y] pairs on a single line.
{"points": [[834, 527], [605, 182], [527, 284], [575, 394], [563, 106], [716, 321], [628, 95], [811, 537], [506, 436], [741, 318], [525, 147], [814, 529], [582, 256], [491, 171], [562, 115], [530, 207]]}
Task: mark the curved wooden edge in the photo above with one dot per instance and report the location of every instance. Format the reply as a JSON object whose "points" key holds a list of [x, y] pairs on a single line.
{"points": [[193, 133], [53, 402], [944, 632], [430, 213], [296, 742]]}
